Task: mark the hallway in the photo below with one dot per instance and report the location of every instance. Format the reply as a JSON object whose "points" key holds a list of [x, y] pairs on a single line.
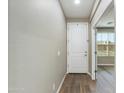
{"points": [[50, 38]]}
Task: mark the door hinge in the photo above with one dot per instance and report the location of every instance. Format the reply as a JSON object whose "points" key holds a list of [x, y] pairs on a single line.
{"points": [[95, 52]]}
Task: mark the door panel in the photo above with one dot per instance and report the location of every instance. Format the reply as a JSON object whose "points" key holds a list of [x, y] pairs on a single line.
{"points": [[77, 48]]}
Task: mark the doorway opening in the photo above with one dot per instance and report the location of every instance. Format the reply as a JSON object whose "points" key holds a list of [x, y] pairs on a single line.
{"points": [[105, 51]]}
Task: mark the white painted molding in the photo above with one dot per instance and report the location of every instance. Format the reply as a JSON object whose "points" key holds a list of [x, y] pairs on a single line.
{"points": [[105, 65], [98, 14], [89, 74], [61, 83], [95, 6]]}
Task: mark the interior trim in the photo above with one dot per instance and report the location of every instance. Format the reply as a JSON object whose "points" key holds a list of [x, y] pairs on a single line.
{"points": [[105, 27], [95, 10], [58, 90]]}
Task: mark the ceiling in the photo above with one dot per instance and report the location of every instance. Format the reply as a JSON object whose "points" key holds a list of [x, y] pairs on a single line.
{"points": [[107, 19], [81, 10]]}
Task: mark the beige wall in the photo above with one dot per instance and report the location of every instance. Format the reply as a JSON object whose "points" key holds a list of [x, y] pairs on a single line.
{"points": [[106, 29], [37, 31], [105, 60]]}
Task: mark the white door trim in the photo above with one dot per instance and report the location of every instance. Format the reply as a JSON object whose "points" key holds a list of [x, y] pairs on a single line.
{"points": [[69, 47], [99, 12]]}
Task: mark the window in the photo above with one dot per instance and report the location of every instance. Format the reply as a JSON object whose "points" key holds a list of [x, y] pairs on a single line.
{"points": [[105, 42]]}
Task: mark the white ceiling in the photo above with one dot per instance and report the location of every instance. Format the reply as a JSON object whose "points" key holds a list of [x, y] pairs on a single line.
{"points": [[107, 19], [72, 10]]}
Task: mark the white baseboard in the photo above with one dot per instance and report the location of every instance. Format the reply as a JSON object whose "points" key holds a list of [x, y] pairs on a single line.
{"points": [[89, 74], [93, 77], [61, 83]]}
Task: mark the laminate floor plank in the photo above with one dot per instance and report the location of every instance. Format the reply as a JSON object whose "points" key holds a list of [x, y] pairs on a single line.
{"points": [[105, 79], [78, 83], [82, 83]]}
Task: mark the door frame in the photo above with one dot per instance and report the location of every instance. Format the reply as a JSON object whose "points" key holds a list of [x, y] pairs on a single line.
{"points": [[95, 27], [95, 53], [102, 7], [69, 47]]}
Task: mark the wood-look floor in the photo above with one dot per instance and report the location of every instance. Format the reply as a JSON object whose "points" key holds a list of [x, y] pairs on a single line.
{"points": [[82, 83], [78, 83], [105, 82]]}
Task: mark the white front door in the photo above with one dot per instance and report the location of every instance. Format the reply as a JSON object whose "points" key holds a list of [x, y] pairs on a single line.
{"points": [[77, 50]]}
